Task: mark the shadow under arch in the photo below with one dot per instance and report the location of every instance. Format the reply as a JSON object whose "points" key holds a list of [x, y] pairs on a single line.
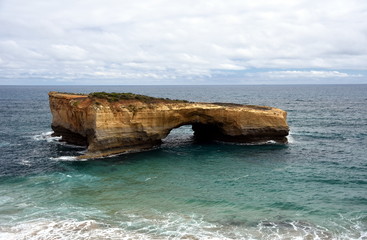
{"points": [[192, 133]]}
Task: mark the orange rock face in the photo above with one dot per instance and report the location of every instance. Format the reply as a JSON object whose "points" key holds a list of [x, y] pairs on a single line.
{"points": [[133, 125]]}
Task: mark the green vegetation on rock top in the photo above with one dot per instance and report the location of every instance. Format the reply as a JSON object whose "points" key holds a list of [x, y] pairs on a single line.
{"points": [[114, 97]]}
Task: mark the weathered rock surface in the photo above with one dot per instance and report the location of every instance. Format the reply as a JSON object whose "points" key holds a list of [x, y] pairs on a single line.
{"points": [[107, 127]]}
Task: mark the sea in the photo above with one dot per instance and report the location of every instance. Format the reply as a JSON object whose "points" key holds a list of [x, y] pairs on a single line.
{"points": [[314, 187]]}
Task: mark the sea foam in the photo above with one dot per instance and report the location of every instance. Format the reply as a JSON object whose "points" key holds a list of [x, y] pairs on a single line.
{"points": [[66, 158], [290, 138], [167, 226], [46, 136]]}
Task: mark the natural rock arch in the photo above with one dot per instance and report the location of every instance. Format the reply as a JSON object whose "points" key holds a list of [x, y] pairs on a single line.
{"points": [[110, 127]]}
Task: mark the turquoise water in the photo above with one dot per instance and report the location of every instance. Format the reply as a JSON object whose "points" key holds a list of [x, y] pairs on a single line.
{"points": [[313, 188]]}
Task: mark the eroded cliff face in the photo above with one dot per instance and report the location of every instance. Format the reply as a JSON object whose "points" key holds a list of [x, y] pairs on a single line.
{"points": [[132, 125]]}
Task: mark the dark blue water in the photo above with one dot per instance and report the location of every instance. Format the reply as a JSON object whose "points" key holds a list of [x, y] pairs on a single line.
{"points": [[313, 188]]}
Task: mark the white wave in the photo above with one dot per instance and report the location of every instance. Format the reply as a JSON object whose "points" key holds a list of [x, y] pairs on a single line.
{"points": [[261, 143], [170, 226], [150, 178], [46, 136], [290, 138], [66, 158], [65, 229], [25, 162], [292, 230], [173, 226], [93, 230]]}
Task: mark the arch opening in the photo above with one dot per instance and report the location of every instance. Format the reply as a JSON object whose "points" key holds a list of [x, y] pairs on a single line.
{"points": [[207, 132], [180, 135], [194, 133]]}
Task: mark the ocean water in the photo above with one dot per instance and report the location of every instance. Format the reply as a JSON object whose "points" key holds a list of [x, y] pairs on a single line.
{"points": [[315, 187]]}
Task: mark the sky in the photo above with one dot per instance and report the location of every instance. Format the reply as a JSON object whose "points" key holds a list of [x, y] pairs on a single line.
{"points": [[158, 42]]}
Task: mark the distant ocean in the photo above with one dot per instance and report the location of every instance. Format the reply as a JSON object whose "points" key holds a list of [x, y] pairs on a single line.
{"points": [[315, 187]]}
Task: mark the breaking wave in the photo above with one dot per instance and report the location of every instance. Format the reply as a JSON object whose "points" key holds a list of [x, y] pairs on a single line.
{"points": [[290, 138], [66, 158], [46, 136], [170, 226]]}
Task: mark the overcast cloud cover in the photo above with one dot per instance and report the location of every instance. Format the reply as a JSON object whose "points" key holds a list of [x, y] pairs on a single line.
{"points": [[183, 42]]}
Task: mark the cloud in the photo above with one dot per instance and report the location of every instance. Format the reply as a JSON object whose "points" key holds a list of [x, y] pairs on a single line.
{"points": [[310, 74], [175, 40], [68, 52]]}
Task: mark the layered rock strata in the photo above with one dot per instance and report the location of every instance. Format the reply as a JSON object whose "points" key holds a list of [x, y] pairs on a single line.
{"points": [[110, 127]]}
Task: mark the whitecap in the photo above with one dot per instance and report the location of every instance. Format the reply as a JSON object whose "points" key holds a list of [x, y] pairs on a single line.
{"points": [[168, 226], [292, 230], [65, 229], [290, 138], [25, 162], [46, 136], [150, 178], [66, 158]]}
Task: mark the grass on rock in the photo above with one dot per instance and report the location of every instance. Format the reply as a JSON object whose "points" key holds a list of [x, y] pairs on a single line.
{"points": [[115, 97]]}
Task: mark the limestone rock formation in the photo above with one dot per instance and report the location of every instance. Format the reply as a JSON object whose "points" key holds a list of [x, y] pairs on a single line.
{"points": [[109, 125]]}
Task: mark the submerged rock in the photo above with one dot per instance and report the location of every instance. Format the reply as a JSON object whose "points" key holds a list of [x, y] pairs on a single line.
{"points": [[116, 123]]}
